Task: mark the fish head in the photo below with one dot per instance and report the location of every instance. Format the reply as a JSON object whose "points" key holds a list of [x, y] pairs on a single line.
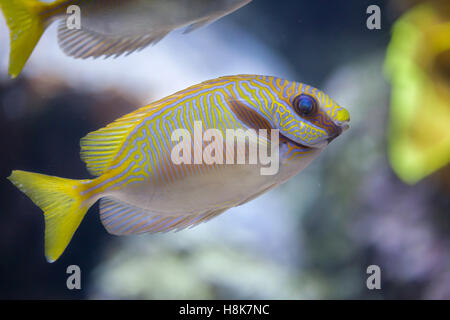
{"points": [[308, 116]]}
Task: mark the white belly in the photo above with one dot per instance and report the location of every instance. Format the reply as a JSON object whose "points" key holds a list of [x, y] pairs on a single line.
{"points": [[219, 188]]}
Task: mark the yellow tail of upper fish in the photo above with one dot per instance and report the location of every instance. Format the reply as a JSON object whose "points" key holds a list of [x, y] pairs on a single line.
{"points": [[27, 22], [62, 203]]}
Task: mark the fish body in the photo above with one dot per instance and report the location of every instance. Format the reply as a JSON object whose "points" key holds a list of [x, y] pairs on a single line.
{"points": [[107, 27], [143, 189], [143, 17]]}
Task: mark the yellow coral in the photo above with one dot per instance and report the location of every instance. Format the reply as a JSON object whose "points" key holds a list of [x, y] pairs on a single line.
{"points": [[418, 66]]}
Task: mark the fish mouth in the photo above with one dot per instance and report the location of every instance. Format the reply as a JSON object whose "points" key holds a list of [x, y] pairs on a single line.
{"points": [[344, 126], [340, 129], [335, 134], [321, 144]]}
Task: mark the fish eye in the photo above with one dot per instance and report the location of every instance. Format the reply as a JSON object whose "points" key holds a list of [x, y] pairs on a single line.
{"points": [[305, 104]]}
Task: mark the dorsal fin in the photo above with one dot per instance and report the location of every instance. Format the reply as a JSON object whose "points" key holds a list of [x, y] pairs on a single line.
{"points": [[99, 148]]}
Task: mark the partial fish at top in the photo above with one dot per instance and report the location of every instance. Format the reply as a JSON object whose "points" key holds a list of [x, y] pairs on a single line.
{"points": [[108, 27]]}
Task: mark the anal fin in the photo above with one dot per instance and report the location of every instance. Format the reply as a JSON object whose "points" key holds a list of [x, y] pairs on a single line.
{"points": [[120, 218], [84, 43]]}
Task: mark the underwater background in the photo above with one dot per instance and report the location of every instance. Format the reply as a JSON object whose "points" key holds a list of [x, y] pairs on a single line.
{"points": [[311, 238]]}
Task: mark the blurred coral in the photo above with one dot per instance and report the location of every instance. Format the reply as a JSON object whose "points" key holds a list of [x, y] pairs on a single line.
{"points": [[418, 66]]}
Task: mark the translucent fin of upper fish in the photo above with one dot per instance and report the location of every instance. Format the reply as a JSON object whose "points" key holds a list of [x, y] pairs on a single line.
{"points": [[116, 28], [108, 28]]}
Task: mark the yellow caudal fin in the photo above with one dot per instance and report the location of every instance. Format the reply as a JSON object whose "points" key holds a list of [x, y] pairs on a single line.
{"points": [[26, 21], [61, 202]]}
